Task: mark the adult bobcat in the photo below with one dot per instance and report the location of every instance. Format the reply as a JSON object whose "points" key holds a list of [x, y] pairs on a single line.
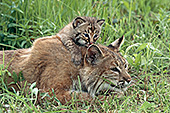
{"points": [[82, 31], [48, 64]]}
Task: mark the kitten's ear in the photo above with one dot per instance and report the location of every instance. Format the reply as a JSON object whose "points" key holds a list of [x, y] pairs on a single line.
{"points": [[101, 22], [116, 44], [77, 21], [93, 54]]}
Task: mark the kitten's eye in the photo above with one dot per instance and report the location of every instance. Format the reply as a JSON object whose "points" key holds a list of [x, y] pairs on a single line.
{"points": [[95, 36], [115, 69], [126, 66], [86, 35]]}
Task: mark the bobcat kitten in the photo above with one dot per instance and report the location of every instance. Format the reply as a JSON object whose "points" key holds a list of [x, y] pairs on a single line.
{"points": [[82, 31]]}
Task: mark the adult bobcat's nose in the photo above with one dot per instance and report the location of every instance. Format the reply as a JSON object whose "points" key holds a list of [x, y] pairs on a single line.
{"points": [[128, 79], [126, 76]]}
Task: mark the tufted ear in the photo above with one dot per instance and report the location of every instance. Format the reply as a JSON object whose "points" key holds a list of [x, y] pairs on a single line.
{"points": [[116, 44], [77, 21], [101, 22], [93, 54]]}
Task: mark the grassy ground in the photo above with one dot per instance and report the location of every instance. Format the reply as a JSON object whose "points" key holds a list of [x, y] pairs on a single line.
{"points": [[145, 25]]}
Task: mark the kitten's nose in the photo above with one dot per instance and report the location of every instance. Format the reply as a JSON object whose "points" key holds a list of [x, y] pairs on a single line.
{"points": [[90, 43]]}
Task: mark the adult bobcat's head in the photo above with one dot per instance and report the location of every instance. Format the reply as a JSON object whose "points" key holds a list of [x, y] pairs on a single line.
{"points": [[105, 69], [86, 30]]}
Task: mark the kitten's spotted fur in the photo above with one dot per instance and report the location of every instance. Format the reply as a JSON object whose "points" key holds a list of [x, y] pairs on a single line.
{"points": [[82, 31]]}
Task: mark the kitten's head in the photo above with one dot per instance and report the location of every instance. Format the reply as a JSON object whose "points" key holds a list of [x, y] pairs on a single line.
{"points": [[86, 30], [105, 69]]}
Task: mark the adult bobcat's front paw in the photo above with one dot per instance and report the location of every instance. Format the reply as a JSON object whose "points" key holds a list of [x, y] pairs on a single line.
{"points": [[76, 58]]}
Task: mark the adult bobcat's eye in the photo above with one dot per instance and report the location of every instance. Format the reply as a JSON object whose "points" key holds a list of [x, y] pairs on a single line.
{"points": [[115, 69], [86, 35]]}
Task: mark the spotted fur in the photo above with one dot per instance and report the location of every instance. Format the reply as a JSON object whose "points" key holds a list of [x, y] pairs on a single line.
{"points": [[82, 31]]}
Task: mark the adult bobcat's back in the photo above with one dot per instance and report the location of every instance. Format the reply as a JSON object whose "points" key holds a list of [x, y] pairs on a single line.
{"points": [[9, 55]]}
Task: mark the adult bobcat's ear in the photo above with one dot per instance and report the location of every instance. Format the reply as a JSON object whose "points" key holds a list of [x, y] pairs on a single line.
{"points": [[77, 21], [93, 54], [116, 44], [101, 22]]}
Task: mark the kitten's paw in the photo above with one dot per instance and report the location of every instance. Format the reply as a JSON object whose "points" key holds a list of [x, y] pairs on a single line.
{"points": [[76, 59]]}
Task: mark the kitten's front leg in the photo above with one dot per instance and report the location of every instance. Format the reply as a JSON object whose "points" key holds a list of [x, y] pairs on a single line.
{"points": [[76, 56]]}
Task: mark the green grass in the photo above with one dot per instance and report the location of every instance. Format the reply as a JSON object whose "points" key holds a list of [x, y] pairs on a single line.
{"points": [[145, 25]]}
